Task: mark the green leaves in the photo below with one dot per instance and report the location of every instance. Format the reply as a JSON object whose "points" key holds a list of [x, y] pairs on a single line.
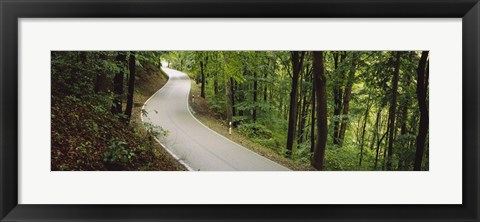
{"points": [[118, 151]]}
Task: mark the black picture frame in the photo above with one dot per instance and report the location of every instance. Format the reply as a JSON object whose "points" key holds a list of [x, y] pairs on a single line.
{"points": [[11, 11]]}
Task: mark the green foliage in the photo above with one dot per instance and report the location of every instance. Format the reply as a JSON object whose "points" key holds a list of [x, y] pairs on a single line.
{"points": [[256, 87], [341, 159], [254, 130], [271, 72], [85, 135], [118, 151], [154, 131]]}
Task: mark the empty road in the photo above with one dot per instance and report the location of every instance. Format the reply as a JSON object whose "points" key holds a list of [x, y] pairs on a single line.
{"points": [[197, 146]]}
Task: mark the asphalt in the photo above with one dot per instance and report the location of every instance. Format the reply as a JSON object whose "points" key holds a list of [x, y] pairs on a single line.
{"points": [[192, 143]]}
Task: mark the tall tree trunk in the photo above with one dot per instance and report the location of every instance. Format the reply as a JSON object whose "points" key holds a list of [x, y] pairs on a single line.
{"points": [[321, 96], [241, 96], [297, 64], [362, 138], [101, 81], [118, 86], [255, 88], [131, 86], [202, 87], [384, 159], [215, 86], [305, 105], [229, 97], [215, 76], [375, 132], [375, 135], [303, 117], [422, 88], [346, 99], [265, 87], [232, 96], [312, 126], [379, 143], [299, 109], [339, 57], [403, 119], [393, 108]]}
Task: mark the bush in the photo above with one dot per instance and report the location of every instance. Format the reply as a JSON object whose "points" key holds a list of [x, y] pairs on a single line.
{"points": [[117, 151]]}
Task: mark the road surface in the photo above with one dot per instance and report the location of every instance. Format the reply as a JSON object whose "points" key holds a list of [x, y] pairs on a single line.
{"points": [[194, 144]]}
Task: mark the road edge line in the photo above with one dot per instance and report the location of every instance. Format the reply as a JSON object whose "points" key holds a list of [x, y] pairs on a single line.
{"points": [[189, 111], [183, 163]]}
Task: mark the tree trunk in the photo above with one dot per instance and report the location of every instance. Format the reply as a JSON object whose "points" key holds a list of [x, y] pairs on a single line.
{"points": [[403, 119], [321, 96], [375, 135], [101, 81], [297, 64], [384, 159], [393, 108], [299, 109], [303, 118], [379, 142], [337, 97], [215, 86], [229, 95], [202, 87], [422, 88], [362, 138], [346, 99], [255, 88], [232, 96], [241, 97], [312, 126], [265, 87], [118, 86], [305, 105], [131, 86]]}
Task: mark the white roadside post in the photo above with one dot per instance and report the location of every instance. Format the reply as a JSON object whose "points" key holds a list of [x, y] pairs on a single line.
{"points": [[230, 127], [193, 98]]}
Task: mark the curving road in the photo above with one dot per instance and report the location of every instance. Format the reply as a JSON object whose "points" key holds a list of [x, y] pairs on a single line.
{"points": [[194, 144]]}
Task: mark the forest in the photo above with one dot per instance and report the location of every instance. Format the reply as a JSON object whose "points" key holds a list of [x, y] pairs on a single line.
{"points": [[329, 110], [338, 110], [96, 99]]}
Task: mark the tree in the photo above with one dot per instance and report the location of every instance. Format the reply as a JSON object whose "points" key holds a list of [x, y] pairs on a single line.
{"points": [[321, 96], [339, 58], [422, 91], [101, 76], [346, 99], [118, 85], [297, 64], [393, 108], [255, 89], [370, 110], [363, 131], [312, 115], [203, 67], [228, 80], [131, 86]]}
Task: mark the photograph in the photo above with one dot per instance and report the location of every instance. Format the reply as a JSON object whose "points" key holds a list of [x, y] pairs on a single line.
{"points": [[239, 111], [282, 110]]}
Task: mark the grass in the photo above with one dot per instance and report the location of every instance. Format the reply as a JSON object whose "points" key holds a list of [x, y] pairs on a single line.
{"points": [[201, 110]]}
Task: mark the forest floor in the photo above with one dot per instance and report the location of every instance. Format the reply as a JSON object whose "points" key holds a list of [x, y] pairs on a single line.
{"points": [[201, 110], [145, 87]]}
